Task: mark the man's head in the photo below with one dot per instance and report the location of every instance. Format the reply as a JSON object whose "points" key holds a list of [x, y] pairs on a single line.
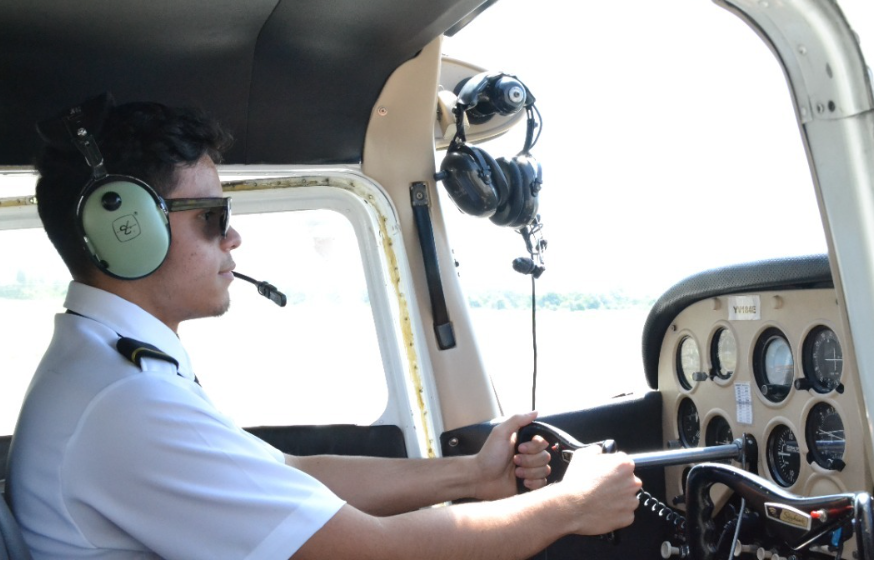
{"points": [[148, 141], [174, 151]]}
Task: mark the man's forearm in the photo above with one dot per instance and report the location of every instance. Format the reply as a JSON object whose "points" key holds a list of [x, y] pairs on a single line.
{"points": [[384, 486], [597, 495], [517, 527]]}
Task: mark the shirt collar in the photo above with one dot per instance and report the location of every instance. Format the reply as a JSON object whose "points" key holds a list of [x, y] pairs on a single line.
{"points": [[128, 320]]}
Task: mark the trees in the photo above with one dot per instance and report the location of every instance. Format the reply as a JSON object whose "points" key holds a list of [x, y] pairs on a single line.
{"points": [[570, 301]]}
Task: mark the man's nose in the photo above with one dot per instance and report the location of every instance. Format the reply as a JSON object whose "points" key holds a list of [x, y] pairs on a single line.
{"points": [[232, 240]]}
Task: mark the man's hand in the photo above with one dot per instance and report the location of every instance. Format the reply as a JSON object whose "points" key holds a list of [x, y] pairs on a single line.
{"points": [[604, 488], [497, 465]]}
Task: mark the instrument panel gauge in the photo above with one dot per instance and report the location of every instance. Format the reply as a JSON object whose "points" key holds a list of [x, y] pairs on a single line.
{"points": [[688, 423], [784, 456], [822, 360], [688, 361], [773, 364], [718, 432], [825, 437], [723, 350]]}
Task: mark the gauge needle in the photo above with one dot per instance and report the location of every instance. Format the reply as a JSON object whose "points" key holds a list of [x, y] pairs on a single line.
{"points": [[837, 434]]}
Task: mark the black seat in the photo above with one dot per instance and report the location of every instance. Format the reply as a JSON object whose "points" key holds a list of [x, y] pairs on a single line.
{"points": [[12, 544]]}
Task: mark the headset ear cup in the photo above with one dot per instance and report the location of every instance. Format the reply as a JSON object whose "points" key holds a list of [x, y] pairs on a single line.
{"points": [[469, 180], [124, 226], [529, 188], [508, 212], [468, 91], [500, 182]]}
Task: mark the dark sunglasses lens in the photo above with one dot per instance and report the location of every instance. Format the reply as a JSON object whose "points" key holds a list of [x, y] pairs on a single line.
{"points": [[218, 221], [225, 221]]}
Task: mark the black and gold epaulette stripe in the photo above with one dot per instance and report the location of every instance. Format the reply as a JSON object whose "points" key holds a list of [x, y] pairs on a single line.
{"points": [[135, 351]]}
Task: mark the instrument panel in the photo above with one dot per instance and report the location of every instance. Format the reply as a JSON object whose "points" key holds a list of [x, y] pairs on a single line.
{"points": [[774, 365]]}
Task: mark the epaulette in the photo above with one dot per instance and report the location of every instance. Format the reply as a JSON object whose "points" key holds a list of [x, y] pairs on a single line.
{"points": [[135, 351]]}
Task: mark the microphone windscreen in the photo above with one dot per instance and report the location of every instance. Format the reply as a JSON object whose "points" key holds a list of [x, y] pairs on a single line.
{"points": [[523, 265]]}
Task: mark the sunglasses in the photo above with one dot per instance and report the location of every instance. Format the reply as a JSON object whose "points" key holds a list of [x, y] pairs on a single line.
{"points": [[221, 204]]}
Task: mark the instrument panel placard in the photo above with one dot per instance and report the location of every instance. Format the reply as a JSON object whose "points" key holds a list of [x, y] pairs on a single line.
{"points": [[744, 308], [743, 398]]}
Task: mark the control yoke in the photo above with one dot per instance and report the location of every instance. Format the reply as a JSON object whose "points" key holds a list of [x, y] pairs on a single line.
{"points": [[788, 520]]}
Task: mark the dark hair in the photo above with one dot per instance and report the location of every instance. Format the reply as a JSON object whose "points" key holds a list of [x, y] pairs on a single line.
{"points": [[148, 141]]}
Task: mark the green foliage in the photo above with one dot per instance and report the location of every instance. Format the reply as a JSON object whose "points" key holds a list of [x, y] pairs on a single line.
{"points": [[33, 291], [570, 301], [30, 287]]}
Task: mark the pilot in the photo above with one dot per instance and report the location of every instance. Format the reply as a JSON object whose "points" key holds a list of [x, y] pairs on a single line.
{"points": [[118, 451]]}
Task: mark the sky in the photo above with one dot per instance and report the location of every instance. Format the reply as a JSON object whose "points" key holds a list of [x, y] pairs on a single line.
{"points": [[669, 143]]}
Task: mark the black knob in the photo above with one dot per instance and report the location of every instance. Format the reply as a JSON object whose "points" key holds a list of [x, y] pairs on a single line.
{"points": [[111, 201]]}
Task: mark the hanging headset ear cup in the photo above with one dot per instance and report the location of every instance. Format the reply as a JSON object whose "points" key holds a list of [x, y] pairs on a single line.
{"points": [[486, 94], [470, 180], [500, 182], [469, 91], [529, 187], [508, 213], [124, 226]]}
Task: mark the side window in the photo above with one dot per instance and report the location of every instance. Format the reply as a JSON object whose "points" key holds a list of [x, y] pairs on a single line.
{"points": [[315, 361], [33, 283]]}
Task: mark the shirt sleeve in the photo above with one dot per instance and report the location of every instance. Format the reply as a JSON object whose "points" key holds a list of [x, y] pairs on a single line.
{"points": [[154, 458]]}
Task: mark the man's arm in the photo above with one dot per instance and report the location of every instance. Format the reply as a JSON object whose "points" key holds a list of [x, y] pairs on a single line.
{"points": [[597, 495], [385, 486]]}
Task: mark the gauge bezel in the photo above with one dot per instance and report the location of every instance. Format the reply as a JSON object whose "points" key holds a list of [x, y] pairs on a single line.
{"points": [[685, 378], [808, 360], [715, 357], [780, 478], [709, 439], [685, 440], [774, 393], [815, 456]]}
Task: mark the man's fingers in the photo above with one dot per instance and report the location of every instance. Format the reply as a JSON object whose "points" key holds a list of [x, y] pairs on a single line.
{"points": [[534, 483], [517, 421], [541, 472], [534, 446]]}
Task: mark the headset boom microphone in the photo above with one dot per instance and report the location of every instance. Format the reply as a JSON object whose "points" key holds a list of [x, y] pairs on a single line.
{"points": [[265, 289]]}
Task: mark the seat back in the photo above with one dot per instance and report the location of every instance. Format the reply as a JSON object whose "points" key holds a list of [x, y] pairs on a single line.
{"points": [[12, 545]]}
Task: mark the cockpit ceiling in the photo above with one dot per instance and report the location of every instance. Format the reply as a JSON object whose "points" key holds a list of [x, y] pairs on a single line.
{"points": [[294, 80]]}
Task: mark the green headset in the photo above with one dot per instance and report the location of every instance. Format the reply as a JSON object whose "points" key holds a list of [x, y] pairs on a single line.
{"points": [[122, 222]]}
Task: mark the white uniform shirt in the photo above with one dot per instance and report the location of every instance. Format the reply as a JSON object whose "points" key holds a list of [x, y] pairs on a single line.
{"points": [[111, 460]]}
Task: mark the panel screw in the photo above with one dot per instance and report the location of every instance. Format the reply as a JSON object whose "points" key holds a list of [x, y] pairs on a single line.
{"points": [[382, 111]]}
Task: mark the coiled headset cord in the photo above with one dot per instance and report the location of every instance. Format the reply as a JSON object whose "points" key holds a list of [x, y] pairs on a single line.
{"points": [[666, 513]]}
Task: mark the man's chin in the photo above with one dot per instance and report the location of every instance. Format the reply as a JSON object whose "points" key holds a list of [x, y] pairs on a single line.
{"points": [[224, 308]]}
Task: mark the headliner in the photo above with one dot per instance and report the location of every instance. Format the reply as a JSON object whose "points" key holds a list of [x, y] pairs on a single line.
{"points": [[294, 80]]}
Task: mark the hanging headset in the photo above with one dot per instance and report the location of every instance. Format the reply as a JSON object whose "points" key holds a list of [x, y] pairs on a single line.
{"points": [[122, 222], [504, 190]]}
